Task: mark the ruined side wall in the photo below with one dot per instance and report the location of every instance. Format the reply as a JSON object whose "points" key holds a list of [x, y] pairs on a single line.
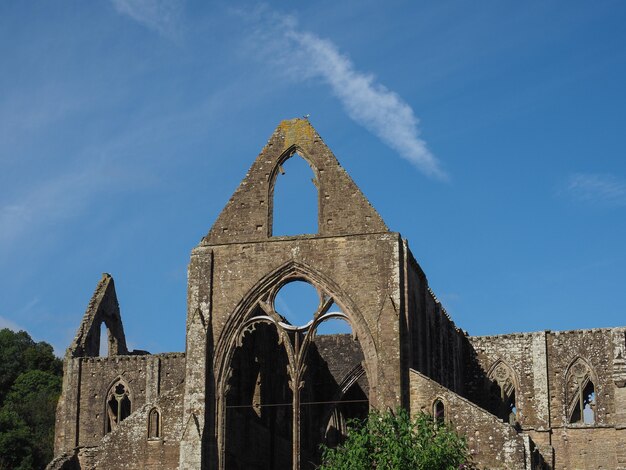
{"points": [[129, 448], [588, 448], [526, 355], [87, 381], [435, 346], [602, 444], [540, 362], [596, 348], [493, 444]]}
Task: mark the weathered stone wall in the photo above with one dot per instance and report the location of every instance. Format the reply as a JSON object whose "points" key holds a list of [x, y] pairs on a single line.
{"points": [[436, 347], [541, 362], [578, 445], [87, 381], [588, 448], [524, 354], [492, 443], [596, 348], [129, 448]]}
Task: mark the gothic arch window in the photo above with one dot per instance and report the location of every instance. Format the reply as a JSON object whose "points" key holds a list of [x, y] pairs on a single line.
{"points": [[281, 391], [294, 198], [580, 393], [118, 404], [504, 392], [439, 410], [104, 341], [154, 424]]}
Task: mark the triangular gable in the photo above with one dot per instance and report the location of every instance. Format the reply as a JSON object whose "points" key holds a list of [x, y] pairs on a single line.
{"points": [[343, 209]]}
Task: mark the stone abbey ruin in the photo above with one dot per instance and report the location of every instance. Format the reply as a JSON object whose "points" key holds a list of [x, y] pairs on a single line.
{"points": [[254, 391]]}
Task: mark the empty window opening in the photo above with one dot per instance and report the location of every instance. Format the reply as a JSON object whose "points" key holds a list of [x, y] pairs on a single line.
{"points": [[297, 302], [353, 405], [584, 403], [265, 408], [335, 391], [503, 393], [118, 405], [259, 403], [334, 326], [295, 205], [580, 394], [154, 424], [104, 341], [439, 411], [588, 413]]}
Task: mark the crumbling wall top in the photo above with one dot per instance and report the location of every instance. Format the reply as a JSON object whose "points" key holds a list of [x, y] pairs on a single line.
{"points": [[103, 308]]}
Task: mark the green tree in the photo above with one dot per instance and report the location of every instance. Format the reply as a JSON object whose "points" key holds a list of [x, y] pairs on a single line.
{"points": [[30, 384], [15, 442], [394, 441]]}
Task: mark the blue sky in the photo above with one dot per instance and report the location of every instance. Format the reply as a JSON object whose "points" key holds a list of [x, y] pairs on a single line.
{"points": [[490, 134]]}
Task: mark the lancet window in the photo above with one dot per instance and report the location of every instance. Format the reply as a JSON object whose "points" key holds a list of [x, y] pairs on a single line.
{"points": [[439, 411], [154, 424], [580, 393], [503, 389]]}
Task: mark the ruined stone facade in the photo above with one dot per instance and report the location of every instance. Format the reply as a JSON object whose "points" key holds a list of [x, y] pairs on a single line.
{"points": [[253, 391]]}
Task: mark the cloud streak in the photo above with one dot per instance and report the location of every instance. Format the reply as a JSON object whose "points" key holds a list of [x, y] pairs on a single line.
{"points": [[372, 105], [162, 16], [597, 189]]}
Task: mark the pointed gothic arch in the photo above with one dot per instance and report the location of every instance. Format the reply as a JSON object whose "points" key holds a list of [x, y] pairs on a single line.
{"points": [[155, 425], [266, 289], [118, 404], [580, 392], [504, 390], [255, 313], [439, 409], [294, 151]]}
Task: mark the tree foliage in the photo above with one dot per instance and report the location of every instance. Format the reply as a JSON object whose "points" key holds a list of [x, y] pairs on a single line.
{"points": [[30, 384], [394, 441]]}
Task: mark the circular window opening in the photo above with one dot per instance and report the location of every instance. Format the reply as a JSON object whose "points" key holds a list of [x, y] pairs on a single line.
{"points": [[297, 302]]}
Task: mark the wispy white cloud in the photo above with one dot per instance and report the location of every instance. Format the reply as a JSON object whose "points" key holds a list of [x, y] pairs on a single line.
{"points": [[369, 103], [163, 16], [597, 189]]}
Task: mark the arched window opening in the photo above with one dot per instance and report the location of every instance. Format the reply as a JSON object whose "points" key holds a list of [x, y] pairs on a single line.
{"points": [[439, 411], [334, 326], [503, 393], [118, 405], [289, 387], [104, 341], [297, 302], [335, 389], [581, 394], [259, 403], [295, 201], [154, 424]]}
